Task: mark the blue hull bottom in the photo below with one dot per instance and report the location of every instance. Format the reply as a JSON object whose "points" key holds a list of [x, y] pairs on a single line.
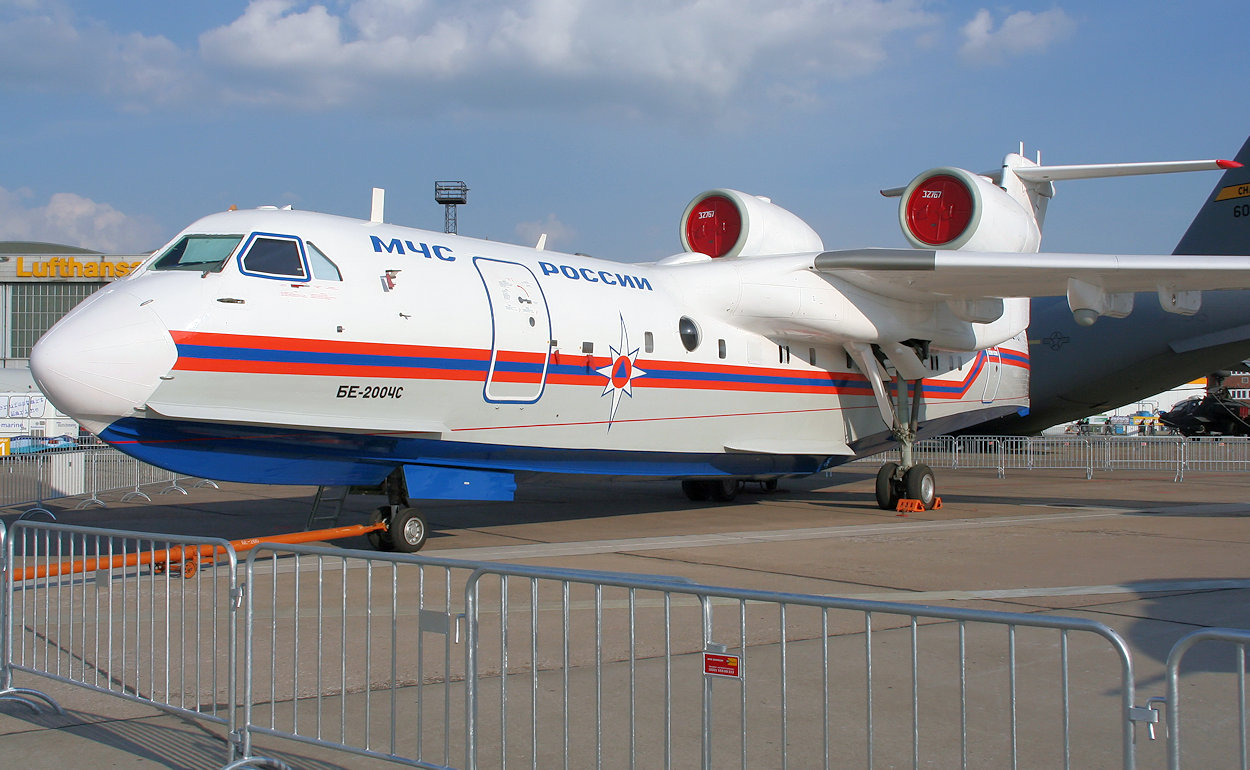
{"points": [[269, 455], [260, 455]]}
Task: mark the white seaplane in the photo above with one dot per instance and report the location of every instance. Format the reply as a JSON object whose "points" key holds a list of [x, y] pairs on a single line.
{"points": [[291, 347]]}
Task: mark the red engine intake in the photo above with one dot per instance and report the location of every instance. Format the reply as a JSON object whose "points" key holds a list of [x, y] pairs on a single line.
{"points": [[713, 226], [950, 208], [939, 210], [728, 223]]}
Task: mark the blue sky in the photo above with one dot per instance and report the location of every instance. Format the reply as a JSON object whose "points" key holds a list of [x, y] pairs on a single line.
{"points": [[598, 122]]}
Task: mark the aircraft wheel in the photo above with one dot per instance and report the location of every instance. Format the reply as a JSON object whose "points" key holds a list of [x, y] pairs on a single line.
{"points": [[695, 489], [407, 530], [887, 490], [378, 538], [921, 484], [723, 490]]}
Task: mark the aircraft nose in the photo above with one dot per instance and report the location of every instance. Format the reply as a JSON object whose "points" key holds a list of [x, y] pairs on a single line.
{"points": [[104, 359]]}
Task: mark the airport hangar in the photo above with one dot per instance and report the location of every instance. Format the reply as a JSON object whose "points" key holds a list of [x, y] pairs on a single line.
{"points": [[39, 283]]}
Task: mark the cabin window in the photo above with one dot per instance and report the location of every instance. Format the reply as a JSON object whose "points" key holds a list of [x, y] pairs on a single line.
{"points": [[205, 253], [720, 348], [688, 330], [274, 257], [648, 342], [783, 354], [322, 268], [811, 356], [588, 348]]}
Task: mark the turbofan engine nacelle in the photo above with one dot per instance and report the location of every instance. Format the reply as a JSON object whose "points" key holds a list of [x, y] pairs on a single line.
{"points": [[950, 208], [728, 223]]}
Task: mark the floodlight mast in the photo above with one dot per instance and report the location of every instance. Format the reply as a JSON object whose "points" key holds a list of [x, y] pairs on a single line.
{"points": [[449, 194]]}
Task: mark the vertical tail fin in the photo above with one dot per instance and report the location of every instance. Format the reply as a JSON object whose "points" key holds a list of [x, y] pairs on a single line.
{"points": [[1223, 224]]}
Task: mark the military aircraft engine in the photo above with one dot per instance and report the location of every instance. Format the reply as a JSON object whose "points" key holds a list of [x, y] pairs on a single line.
{"points": [[950, 208], [728, 223]]}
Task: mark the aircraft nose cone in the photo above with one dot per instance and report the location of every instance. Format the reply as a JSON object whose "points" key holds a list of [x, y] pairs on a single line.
{"points": [[104, 359]]}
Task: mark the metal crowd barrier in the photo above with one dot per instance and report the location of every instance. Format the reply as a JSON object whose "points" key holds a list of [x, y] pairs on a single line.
{"points": [[88, 469], [1170, 454], [360, 652], [1216, 712], [147, 617], [353, 650], [574, 669]]}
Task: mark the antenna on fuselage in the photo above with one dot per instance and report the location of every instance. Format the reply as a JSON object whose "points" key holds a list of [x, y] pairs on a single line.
{"points": [[449, 194], [379, 205]]}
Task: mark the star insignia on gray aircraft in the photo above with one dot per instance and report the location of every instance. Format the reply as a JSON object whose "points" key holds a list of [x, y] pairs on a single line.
{"points": [[621, 373]]}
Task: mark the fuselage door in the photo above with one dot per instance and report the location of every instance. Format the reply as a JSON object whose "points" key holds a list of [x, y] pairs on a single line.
{"points": [[521, 332], [993, 375]]}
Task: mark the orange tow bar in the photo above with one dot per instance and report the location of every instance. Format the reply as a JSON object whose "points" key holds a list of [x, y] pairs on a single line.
{"points": [[185, 559]]}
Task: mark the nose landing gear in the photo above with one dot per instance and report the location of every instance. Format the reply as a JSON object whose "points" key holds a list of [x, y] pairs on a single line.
{"points": [[406, 528], [405, 531]]}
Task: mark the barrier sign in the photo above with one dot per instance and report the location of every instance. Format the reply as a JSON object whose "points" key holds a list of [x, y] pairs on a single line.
{"points": [[719, 664]]}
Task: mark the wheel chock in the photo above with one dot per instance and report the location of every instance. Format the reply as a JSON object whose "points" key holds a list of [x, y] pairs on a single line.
{"points": [[908, 505]]}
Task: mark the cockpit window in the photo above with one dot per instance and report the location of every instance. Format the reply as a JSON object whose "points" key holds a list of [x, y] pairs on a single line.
{"points": [[198, 252], [322, 268], [274, 257]]}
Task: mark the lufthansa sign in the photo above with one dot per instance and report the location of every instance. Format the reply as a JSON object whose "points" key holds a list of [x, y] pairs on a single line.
{"points": [[67, 268]]}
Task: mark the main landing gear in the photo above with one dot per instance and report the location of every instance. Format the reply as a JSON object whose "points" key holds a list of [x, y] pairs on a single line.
{"points": [[906, 480], [915, 483], [406, 529], [722, 490]]}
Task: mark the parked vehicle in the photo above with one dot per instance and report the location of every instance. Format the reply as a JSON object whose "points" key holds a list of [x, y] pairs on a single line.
{"points": [[1215, 414]]}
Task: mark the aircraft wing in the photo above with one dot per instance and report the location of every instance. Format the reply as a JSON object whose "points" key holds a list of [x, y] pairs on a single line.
{"points": [[936, 275]]}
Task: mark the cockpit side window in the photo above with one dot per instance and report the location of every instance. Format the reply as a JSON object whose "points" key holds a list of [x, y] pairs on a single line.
{"points": [[206, 253], [322, 268], [274, 256]]}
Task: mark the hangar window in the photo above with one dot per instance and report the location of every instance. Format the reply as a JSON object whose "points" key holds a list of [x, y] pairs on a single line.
{"points": [[34, 307], [322, 268], [274, 257], [205, 253]]}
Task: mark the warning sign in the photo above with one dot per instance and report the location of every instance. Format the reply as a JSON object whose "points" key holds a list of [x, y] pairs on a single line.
{"points": [[718, 664]]}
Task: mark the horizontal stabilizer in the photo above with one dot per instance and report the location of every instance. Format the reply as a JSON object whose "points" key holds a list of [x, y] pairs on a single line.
{"points": [[1106, 170], [1039, 174]]}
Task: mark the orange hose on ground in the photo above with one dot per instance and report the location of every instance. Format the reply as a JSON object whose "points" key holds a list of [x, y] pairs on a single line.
{"points": [[189, 556]]}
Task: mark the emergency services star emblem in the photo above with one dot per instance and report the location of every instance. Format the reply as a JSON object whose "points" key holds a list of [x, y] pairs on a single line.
{"points": [[621, 373]]}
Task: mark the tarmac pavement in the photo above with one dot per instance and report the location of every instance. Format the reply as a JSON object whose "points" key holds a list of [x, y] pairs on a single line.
{"points": [[1151, 558]]}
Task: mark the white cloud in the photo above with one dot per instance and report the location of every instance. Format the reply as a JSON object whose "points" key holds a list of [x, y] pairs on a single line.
{"points": [[73, 220], [557, 232], [669, 56], [1020, 33], [45, 47]]}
